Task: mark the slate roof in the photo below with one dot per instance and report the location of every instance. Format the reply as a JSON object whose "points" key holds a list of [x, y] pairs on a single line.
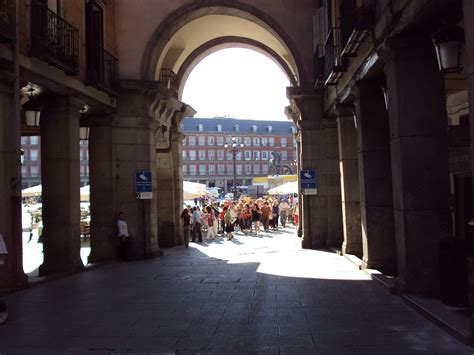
{"points": [[191, 124]]}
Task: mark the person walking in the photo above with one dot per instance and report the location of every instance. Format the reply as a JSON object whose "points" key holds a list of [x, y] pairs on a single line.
{"points": [[266, 212], [123, 235], [196, 234], [186, 220], [210, 220], [275, 214], [256, 217], [283, 208], [229, 226]]}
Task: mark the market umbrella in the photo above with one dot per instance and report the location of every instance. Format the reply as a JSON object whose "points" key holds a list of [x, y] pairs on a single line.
{"points": [[85, 193], [31, 191], [285, 189], [193, 190]]}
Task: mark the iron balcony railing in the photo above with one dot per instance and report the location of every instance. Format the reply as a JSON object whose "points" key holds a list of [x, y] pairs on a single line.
{"points": [[357, 19], [102, 71], [7, 21], [168, 78], [54, 40], [333, 62]]}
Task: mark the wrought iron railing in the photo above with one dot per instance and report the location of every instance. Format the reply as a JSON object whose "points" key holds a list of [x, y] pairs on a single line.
{"points": [[53, 39], [167, 78], [102, 70], [357, 18], [333, 64], [7, 21]]}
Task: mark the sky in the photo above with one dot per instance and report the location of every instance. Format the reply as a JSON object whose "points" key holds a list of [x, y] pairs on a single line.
{"points": [[238, 83]]}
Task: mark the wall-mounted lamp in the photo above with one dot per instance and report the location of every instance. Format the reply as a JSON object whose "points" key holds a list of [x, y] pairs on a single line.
{"points": [[449, 46], [385, 96], [22, 156], [354, 116], [32, 110]]}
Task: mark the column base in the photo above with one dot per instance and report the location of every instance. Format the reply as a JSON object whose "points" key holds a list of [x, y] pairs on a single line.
{"points": [[352, 249], [97, 257], [53, 268], [378, 265]]}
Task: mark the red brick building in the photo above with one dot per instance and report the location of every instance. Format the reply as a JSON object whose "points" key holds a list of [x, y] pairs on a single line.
{"points": [[206, 160]]}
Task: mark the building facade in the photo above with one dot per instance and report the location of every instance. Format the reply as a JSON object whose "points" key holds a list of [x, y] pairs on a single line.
{"points": [[207, 160]]}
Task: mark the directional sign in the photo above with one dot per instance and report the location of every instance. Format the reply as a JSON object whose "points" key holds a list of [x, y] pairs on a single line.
{"points": [[308, 182], [143, 185]]}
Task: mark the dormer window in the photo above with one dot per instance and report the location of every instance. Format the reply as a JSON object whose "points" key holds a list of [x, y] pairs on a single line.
{"points": [[200, 127], [269, 129], [236, 128], [293, 130], [219, 128], [254, 129]]}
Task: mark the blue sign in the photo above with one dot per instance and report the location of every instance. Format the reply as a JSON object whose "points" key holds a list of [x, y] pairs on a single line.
{"points": [[143, 182], [308, 182]]}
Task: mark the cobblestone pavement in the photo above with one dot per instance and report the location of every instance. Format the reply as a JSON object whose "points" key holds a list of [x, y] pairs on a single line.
{"points": [[251, 295]]}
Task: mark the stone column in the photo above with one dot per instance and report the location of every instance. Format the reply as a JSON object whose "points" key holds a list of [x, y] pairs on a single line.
{"points": [[419, 146], [375, 179], [11, 273], [335, 229], [134, 150], [60, 178], [102, 178], [314, 217], [349, 167]]}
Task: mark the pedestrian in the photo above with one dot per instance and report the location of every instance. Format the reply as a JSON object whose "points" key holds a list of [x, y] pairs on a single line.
{"points": [[186, 220], [275, 214], [296, 214], [283, 207], [256, 217], [266, 213], [246, 217], [123, 235], [197, 234], [229, 226], [211, 231]]}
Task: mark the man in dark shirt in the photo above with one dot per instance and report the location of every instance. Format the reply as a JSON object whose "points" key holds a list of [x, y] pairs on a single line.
{"points": [[186, 218], [266, 212]]}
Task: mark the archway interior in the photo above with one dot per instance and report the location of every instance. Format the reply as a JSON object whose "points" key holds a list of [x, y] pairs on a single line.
{"points": [[195, 34]]}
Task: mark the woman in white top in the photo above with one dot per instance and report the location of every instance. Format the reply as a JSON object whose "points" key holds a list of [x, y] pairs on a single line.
{"points": [[122, 233]]}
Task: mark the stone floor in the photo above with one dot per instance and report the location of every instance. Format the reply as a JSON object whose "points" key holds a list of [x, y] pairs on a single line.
{"points": [[252, 295]]}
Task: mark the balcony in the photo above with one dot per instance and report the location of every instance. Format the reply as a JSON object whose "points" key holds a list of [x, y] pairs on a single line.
{"points": [[54, 40], [333, 62], [357, 19], [7, 21], [102, 70]]}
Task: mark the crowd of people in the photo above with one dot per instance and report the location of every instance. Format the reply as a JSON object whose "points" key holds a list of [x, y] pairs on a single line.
{"points": [[247, 215]]}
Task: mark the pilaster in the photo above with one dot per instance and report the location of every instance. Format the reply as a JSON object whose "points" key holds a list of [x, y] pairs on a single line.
{"points": [[419, 152]]}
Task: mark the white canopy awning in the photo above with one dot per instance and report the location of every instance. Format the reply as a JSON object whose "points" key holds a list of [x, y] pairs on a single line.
{"points": [[285, 189]]}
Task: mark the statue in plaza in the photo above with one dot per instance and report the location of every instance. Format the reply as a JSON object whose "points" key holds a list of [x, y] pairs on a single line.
{"points": [[276, 166]]}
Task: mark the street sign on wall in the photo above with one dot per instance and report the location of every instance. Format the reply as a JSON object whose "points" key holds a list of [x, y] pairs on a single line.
{"points": [[143, 185], [308, 183]]}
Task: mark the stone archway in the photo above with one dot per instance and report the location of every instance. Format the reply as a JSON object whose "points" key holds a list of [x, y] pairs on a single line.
{"points": [[188, 13]]}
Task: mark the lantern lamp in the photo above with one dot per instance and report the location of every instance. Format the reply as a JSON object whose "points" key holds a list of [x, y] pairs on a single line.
{"points": [[449, 46]]}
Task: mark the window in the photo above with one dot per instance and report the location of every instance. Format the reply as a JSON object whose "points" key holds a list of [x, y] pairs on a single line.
{"points": [[293, 130], [248, 155], [220, 169], [248, 169], [202, 155], [238, 156], [247, 141], [24, 140], [228, 139], [229, 155], [256, 155], [256, 169], [184, 141], [83, 154], [202, 140], [192, 155], [192, 140], [269, 129], [256, 141], [294, 143], [264, 141], [284, 155], [202, 169], [185, 170], [184, 155], [230, 169], [236, 128], [192, 169], [264, 155], [24, 170], [211, 154], [254, 129], [219, 128], [200, 127], [34, 170], [34, 140], [283, 142], [220, 140], [265, 169], [238, 169], [210, 140], [212, 169], [220, 155], [271, 141], [34, 155]]}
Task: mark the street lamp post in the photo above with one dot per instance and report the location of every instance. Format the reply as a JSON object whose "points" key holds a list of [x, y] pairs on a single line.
{"points": [[234, 148]]}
